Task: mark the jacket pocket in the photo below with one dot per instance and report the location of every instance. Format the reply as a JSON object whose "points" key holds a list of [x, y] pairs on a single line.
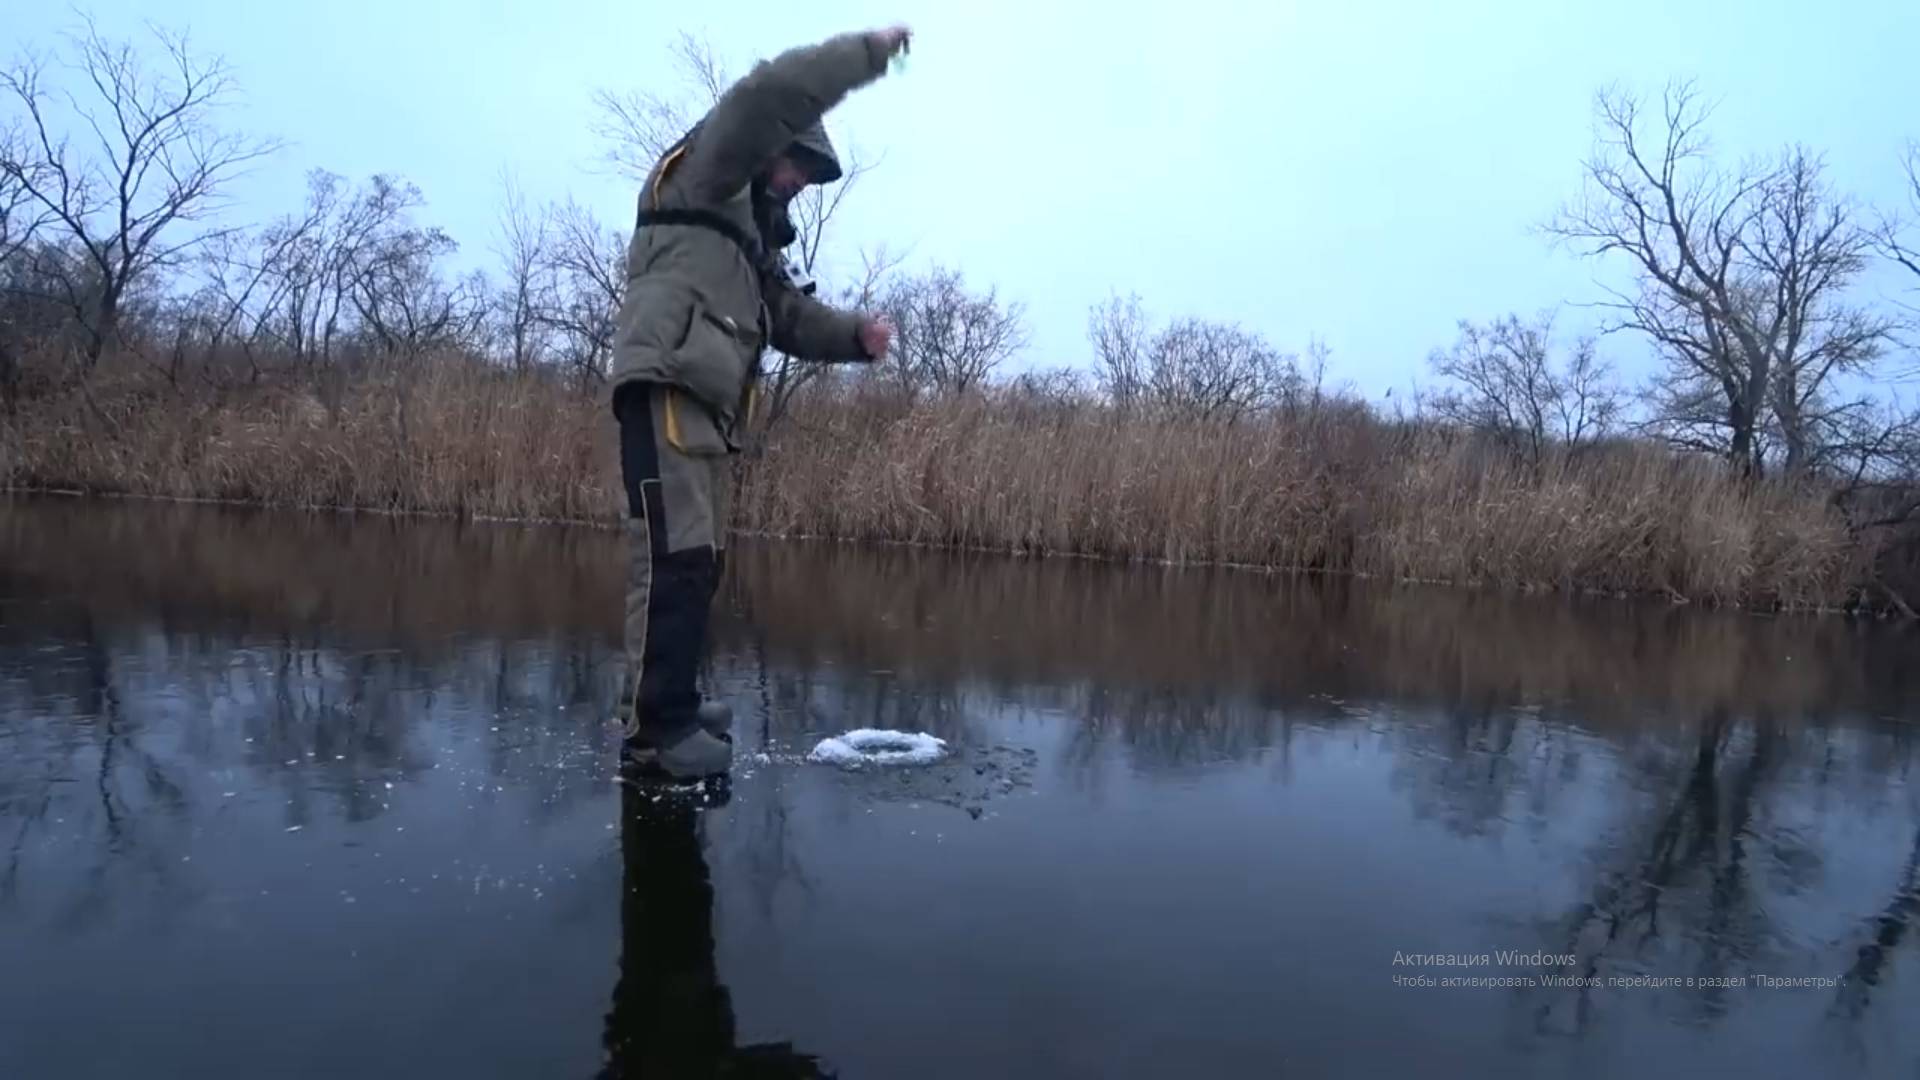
{"points": [[713, 361], [670, 334], [690, 426]]}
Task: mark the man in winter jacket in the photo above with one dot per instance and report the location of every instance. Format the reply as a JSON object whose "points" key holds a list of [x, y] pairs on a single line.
{"points": [[707, 290]]}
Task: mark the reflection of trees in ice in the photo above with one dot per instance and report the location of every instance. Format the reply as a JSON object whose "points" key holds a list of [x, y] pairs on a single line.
{"points": [[1701, 790], [122, 740], [89, 797], [799, 699], [1690, 859], [764, 836], [1166, 728], [1727, 824], [1880, 938], [1482, 769], [1699, 834]]}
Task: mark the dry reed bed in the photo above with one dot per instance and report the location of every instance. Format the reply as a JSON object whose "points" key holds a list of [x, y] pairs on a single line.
{"points": [[1334, 489], [450, 438]]}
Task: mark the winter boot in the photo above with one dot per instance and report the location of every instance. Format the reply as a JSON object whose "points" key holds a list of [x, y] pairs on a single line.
{"points": [[716, 717], [697, 755]]}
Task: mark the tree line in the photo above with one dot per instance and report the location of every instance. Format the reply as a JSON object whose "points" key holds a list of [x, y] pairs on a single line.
{"points": [[115, 239]]}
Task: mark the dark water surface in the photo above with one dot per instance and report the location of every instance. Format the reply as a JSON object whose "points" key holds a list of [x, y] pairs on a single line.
{"points": [[319, 796]]}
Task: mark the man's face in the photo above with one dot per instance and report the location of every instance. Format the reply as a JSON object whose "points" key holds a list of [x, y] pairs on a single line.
{"points": [[785, 179]]}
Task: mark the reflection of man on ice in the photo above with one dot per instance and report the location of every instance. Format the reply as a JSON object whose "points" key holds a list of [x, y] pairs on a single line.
{"points": [[707, 291], [671, 1015]]}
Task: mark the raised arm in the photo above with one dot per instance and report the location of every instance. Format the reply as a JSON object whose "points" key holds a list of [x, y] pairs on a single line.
{"points": [[759, 116]]}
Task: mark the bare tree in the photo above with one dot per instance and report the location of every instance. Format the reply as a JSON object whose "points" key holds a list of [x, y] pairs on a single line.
{"points": [[1807, 248], [1319, 354], [404, 307], [350, 269], [637, 126], [1874, 446], [1899, 237], [1741, 279], [368, 277], [21, 216], [20, 221], [1208, 370], [947, 337], [1894, 242], [1117, 330], [1506, 385], [1190, 368], [521, 246], [583, 277], [253, 280], [157, 164]]}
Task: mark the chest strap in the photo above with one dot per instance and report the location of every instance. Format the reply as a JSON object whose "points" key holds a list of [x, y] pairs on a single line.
{"points": [[749, 245]]}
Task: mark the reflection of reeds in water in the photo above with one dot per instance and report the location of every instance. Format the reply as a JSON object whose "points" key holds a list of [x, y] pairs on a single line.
{"points": [[1113, 634], [408, 581], [1323, 645], [1334, 488]]}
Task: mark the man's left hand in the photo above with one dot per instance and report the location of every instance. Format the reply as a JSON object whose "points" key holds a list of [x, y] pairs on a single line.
{"points": [[876, 337]]}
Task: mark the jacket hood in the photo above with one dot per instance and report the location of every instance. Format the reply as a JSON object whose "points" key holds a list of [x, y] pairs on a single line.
{"points": [[814, 152]]}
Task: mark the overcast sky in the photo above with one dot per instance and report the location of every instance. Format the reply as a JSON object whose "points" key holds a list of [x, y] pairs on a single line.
{"points": [[1367, 173]]}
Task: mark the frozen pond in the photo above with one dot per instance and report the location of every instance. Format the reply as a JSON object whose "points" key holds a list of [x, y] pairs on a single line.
{"points": [[318, 796]]}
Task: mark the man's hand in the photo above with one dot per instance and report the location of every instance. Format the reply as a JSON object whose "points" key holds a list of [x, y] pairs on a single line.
{"points": [[892, 39], [876, 337]]}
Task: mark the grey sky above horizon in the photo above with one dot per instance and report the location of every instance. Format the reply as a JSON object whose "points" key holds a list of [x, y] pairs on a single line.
{"points": [[1364, 173]]}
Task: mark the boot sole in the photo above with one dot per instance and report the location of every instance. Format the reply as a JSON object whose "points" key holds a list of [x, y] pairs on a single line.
{"points": [[665, 792], [646, 769], [651, 777]]}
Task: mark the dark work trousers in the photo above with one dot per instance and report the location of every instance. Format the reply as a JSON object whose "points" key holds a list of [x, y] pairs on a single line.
{"points": [[677, 506]]}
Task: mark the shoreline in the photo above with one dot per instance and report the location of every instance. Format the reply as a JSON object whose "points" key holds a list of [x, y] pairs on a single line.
{"points": [[1855, 612]]}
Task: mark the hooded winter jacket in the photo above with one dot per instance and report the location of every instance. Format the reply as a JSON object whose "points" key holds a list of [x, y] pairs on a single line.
{"points": [[700, 304]]}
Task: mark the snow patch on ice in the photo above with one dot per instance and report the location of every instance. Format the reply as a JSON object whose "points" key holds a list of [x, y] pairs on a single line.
{"points": [[878, 746]]}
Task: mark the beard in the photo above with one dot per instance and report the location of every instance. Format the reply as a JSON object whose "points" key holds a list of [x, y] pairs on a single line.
{"points": [[771, 216]]}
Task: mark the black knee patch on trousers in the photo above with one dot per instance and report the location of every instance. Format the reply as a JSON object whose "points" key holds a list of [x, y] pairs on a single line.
{"points": [[668, 696], [683, 584]]}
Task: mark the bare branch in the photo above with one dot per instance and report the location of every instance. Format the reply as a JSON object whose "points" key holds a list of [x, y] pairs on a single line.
{"points": [[1742, 280], [1117, 330], [1208, 370], [583, 277], [637, 126], [521, 244], [149, 128], [22, 216], [815, 208], [1507, 387], [946, 336]]}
